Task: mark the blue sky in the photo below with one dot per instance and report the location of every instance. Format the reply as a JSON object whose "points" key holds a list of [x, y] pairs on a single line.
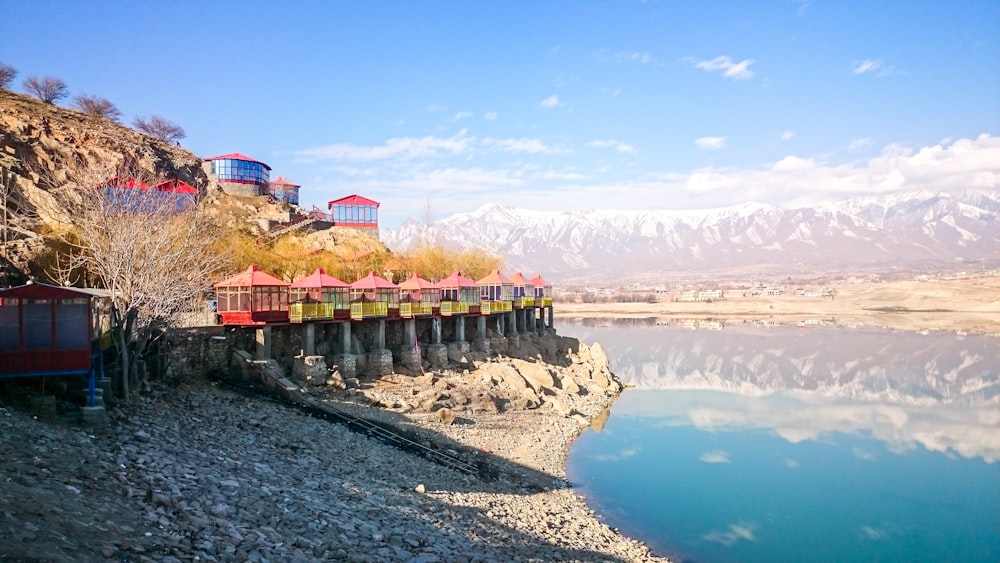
{"points": [[562, 105]]}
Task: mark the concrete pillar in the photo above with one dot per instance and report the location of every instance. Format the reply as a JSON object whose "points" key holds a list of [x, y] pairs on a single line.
{"points": [[552, 323], [345, 337], [380, 335], [410, 333], [481, 327], [436, 330], [512, 322], [308, 339], [264, 343], [460, 328], [499, 321]]}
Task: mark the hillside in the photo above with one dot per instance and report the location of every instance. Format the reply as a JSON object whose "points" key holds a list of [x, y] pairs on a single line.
{"points": [[43, 145]]}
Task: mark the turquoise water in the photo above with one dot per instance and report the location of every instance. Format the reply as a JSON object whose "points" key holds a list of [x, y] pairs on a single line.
{"points": [[775, 444]]}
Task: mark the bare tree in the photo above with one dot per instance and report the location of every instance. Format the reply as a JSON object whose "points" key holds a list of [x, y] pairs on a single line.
{"points": [[158, 127], [154, 257], [97, 106], [7, 74], [47, 89]]}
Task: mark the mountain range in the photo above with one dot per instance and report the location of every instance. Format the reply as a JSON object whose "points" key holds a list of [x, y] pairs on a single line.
{"points": [[917, 230]]}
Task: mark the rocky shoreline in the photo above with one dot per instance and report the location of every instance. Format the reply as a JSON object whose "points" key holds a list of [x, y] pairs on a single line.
{"points": [[198, 472]]}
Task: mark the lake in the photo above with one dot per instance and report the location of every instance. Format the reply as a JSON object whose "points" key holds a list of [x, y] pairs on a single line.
{"points": [[753, 442]]}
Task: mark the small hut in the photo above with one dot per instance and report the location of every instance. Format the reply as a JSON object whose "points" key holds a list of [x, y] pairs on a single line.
{"points": [[543, 291], [252, 297], [524, 291], [372, 296], [459, 295], [47, 330], [418, 297], [496, 293], [318, 296]]}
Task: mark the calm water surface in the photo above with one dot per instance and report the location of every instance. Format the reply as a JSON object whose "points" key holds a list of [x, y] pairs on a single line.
{"points": [[764, 443]]}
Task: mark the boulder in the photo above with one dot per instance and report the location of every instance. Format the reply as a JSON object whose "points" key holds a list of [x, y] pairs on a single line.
{"points": [[535, 373], [446, 416]]}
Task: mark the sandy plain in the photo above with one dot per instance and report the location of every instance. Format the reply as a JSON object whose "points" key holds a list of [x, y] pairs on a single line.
{"points": [[969, 304]]}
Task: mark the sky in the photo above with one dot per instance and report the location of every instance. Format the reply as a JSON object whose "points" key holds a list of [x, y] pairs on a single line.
{"points": [[439, 107]]}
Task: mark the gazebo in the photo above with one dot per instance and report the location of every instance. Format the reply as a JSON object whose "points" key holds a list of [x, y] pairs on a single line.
{"points": [[524, 291], [252, 297], [459, 295], [318, 296], [543, 291], [48, 330], [419, 297], [283, 190], [496, 293], [372, 296]]}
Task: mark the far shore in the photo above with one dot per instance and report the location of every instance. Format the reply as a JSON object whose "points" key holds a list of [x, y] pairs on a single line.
{"points": [[970, 304]]}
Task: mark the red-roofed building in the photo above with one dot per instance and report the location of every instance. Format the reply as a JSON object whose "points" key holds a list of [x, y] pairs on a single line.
{"points": [[459, 295], [372, 296], [543, 291], [524, 291], [285, 191], [318, 296], [356, 212], [239, 174], [252, 297], [496, 293], [419, 297]]}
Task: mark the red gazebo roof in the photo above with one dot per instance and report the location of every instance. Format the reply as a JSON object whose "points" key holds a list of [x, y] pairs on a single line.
{"points": [[494, 278], [417, 283], [518, 279], [353, 199], [252, 276], [538, 281], [281, 181], [176, 186], [371, 281], [33, 290], [319, 278], [456, 279], [237, 156]]}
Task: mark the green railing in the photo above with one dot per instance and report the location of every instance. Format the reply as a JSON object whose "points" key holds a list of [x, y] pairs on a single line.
{"points": [[412, 309], [366, 310]]}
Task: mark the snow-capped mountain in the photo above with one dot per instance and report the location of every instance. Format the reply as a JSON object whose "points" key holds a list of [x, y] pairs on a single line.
{"points": [[912, 230]]}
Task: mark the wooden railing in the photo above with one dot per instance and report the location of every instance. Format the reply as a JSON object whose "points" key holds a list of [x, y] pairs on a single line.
{"points": [[367, 310]]}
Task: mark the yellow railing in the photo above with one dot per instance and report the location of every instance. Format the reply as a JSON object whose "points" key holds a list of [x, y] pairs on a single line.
{"points": [[411, 309], [364, 310], [298, 312], [543, 301], [524, 301], [454, 308], [494, 307]]}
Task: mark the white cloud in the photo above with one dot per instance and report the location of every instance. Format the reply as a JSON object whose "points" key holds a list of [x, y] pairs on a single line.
{"points": [[736, 532], [787, 135], [550, 102], [461, 115], [533, 146], [714, 456], [490, 115], [640, 57], [398, 147], [565, 174], [867, 65], [729, 69], [611, 143], [710, 143], [860, 143], [620, 455]]}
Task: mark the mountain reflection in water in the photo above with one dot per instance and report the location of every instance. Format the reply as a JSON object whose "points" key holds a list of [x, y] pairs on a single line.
{"points": [[939, 389], [752, 442]]}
